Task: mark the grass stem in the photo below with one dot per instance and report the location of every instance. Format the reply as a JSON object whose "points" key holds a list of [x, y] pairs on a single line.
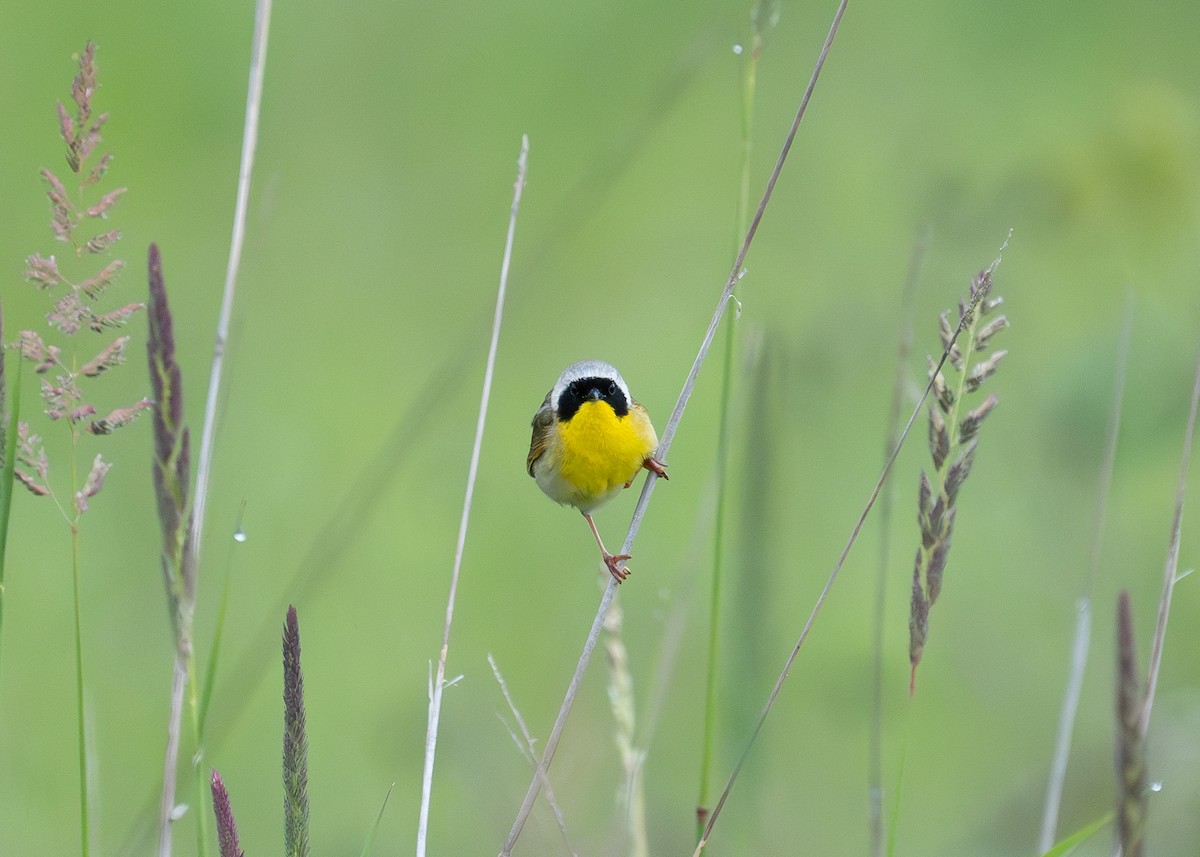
{"points": [[1083, 616], [899, 385], [166, 808], [80, 707], [1171, 566], [198, 762], [528, 746], [258, 65], [10, 418], [435, 695], [749, 83]]}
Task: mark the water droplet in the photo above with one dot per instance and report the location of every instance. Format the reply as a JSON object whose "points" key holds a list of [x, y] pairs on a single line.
{"points": [[1156, 786], [239, 535], [737, 50]]}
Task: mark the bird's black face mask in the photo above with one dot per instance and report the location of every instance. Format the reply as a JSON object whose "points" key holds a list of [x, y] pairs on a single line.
{"points": [[589, 390]]}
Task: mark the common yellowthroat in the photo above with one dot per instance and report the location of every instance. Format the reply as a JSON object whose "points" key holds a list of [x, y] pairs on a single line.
{"points": [[590, 439]]}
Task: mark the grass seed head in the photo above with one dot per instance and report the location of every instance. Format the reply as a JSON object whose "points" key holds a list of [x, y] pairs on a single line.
{"points": [[953, 441], [1131, 743]]}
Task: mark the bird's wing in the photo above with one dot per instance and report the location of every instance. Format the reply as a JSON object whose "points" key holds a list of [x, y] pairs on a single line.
{"points": [[645, 428], [543, 421]]}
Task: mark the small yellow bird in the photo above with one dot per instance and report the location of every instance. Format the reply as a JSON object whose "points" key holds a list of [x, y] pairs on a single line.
{"points": [[590, 439]]}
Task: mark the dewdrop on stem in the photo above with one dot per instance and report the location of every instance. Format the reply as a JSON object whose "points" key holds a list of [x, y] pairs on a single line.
{"points": [[239, 534]]}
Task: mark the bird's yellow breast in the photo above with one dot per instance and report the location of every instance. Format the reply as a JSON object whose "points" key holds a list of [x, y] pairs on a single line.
{"points": [[599, 452]]}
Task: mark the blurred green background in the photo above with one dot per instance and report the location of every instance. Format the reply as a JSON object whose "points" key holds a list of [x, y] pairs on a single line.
{"points": [[384, 174]]}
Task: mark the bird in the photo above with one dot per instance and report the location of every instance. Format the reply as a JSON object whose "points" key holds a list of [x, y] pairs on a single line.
{"points": [[590, 441]]}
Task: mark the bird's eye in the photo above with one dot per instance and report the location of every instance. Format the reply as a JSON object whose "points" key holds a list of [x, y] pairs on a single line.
{"points": [[612, 388]]}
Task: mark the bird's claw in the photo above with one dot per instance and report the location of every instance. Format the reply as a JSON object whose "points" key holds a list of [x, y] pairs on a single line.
{"points": [[619, 572], [656, 467]]}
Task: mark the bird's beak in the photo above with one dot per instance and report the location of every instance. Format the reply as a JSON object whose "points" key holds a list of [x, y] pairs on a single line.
{"points": [[595, 394]]}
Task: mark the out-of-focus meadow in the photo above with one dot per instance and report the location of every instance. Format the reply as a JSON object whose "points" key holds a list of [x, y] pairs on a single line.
{"points": [[383, 179]]}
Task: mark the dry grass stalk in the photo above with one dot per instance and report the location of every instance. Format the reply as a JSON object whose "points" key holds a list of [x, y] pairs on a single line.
{"points": [[631, 798], [953, 438], [528, 747], [1171, 566], [439, 684]]}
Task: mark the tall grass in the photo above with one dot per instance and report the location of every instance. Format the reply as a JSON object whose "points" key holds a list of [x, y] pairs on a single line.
{"points": [[952, 431], [77, 291]]}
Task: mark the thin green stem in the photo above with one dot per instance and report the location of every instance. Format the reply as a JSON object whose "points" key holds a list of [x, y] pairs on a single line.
{"points": [[894, 815], [1083, 616], [875, 733], [749, 80], [201, 781], [714, 616], [79, 706], [84, 830], [6, 478]]}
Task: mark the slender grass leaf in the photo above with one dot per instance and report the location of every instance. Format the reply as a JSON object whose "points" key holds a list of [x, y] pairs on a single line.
{"points": [[375, 827], [1066, 846]]}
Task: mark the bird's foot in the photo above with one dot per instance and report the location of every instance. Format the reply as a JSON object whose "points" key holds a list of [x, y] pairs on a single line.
{"points": [[656, 467], [612, 561]]}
